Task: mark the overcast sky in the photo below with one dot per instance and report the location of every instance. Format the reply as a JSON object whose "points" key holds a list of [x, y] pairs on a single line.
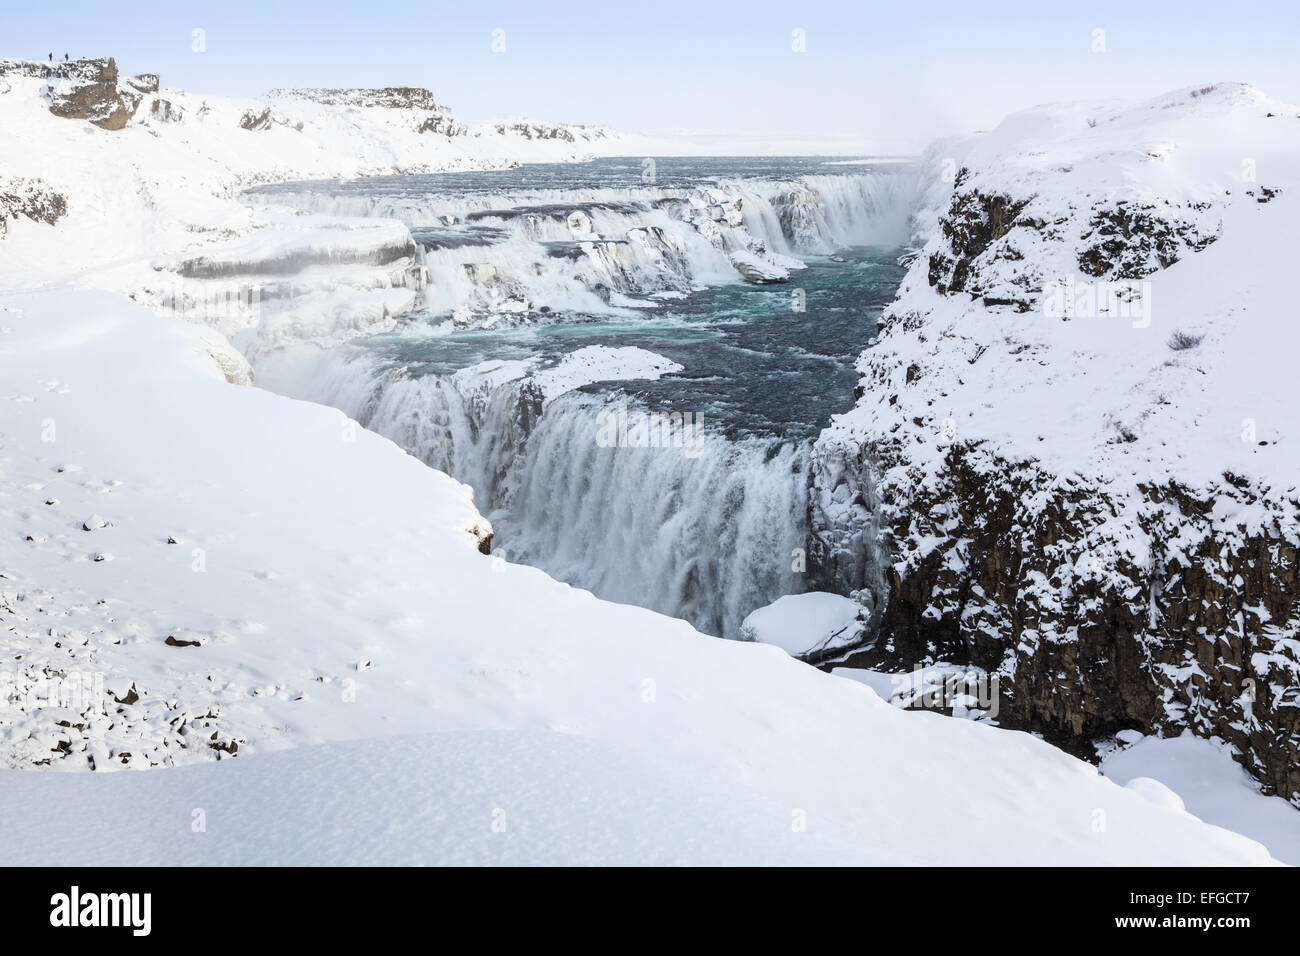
{"points": [[883, 77]]}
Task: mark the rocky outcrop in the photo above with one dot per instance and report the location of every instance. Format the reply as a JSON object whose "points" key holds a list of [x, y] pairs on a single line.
{"points": [[559, 131], [429, 115], [974, 221], [165, 111], [31, 199], [1131, 240], [89, 90], [1025, 577], [266, 118], [388, 97], [1047, 500], [143, 82], [37, 69]]}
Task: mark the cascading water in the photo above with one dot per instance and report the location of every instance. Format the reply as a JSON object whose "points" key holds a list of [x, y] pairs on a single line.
{"points": [[522, 280], [707, 534]]}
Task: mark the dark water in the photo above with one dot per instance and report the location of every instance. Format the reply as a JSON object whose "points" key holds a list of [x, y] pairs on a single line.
{"points": [[752, 364], [707, 536]]}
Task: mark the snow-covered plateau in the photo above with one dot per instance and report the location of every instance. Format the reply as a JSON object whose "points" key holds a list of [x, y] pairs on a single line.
{"points": [[297, 628]]}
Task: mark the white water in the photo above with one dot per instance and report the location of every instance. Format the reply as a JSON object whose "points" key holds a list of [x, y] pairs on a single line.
{"points": [[707, 533], [510, 258], [707, 536]]}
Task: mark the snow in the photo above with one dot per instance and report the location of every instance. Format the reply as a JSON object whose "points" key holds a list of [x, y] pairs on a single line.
{"points": [[964, 691], [584, 366], [602, 363], [343, 601], [758, 268], [1062, 389], [259, 599], [1212, 786], [804, 623], [161, 186], [1101, 429]]}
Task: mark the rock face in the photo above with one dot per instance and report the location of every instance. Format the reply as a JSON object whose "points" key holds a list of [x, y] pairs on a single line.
{"points": [[31, 199], [388, 97], [1088, 640], [144, 82], [89, 90], [1048, 497], [530, 130], [28, 68], [164, 111], [430, 117], [546, 131], [264, 119]]}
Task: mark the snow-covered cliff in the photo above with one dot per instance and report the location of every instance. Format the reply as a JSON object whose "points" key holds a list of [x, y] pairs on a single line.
{"points": [[1074, 460]]}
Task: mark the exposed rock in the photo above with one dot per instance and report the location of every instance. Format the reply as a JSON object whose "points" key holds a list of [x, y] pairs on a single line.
{"points": [[89, 90], [388, 97], [164, 111], [545, 131], [39, 69], [484, 539], [1087, 641], [1118, 590], [1133, 240], [143, 82], [32, 199], [430, 116], [974, 222]]}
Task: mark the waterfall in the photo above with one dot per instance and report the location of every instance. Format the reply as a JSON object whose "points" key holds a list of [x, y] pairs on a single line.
{"points": [[707, 533], [526, 256]]}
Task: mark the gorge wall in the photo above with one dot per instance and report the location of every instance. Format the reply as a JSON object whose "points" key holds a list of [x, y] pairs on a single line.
{"points": [[1098, 505]]}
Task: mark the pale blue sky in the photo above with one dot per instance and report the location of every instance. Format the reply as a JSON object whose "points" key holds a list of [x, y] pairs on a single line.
{"points": [[890, 75]]}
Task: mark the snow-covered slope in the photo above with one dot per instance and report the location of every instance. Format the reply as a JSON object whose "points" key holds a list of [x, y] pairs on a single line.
{"points": [[1074, 461], [201, 570], [1211, 786], [163, 178]]}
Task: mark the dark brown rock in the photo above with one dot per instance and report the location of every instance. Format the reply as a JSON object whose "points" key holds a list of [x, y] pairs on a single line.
{"points": [[89, 90]]}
